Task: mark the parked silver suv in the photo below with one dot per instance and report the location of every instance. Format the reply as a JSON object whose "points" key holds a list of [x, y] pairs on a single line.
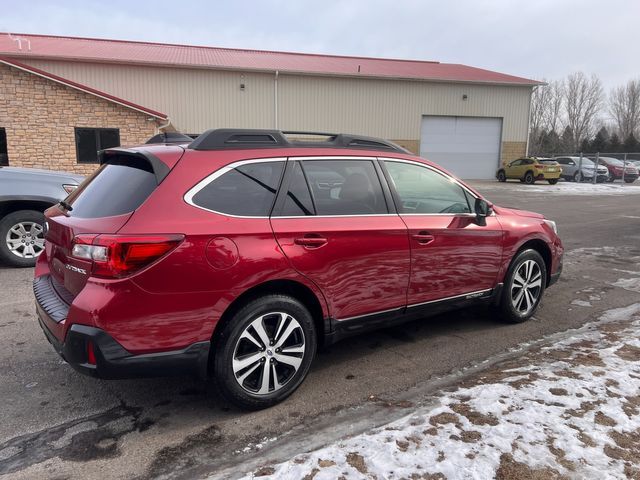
{"points": [[572, 172], [25, 193]]}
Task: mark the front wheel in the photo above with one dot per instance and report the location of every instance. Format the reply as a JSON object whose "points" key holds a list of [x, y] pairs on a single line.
{"points": [[553, 181], [523, 287], [264, 352], [629, 180], [22, 238], [610, 178], [577, 177], [502, 177]]}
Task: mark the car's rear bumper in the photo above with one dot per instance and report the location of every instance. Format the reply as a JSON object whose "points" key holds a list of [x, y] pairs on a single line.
{"points": [[112, 360]]}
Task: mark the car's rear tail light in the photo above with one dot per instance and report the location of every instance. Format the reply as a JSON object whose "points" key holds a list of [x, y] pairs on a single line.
{"points": [[116, 256], [539, 167], [91, 354]]}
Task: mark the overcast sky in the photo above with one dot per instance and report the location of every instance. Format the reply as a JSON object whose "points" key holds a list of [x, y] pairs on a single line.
{"points": [[530, 38]]}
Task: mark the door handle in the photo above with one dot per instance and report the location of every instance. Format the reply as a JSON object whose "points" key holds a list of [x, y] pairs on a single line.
{"points": [[423, 238], [311, 242]]}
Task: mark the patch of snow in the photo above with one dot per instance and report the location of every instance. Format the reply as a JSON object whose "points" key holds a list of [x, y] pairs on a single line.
{"points": [[564, 188], [562, 410], [631, 284], [580, 303]]}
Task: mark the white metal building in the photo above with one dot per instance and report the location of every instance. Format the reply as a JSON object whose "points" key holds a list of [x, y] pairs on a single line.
{"points": [[465, 118]]}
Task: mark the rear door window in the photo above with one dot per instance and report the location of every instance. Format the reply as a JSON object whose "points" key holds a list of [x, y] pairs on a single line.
{"points": [[345, 187], [113, 190], [247, 190]]}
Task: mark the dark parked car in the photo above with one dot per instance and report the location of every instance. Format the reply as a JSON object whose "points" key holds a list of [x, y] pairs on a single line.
{"points": [[25, 193], [239, 253]]}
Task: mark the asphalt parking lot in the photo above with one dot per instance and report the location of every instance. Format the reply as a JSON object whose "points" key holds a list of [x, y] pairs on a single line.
{"points": [[55, 423]]}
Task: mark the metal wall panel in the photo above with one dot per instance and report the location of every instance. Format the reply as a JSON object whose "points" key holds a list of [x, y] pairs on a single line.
{"points": [[198, 99]]}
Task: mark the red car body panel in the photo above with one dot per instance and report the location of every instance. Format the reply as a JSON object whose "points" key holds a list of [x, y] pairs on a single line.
{"points": [[463, 256], [368, 264]]}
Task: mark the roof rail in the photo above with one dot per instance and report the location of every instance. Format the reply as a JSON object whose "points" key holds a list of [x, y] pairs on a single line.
{"points": [[230, 138]]}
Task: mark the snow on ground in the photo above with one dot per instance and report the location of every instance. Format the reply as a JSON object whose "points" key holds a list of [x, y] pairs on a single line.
{"points": [[569, 410], [566, 188]]}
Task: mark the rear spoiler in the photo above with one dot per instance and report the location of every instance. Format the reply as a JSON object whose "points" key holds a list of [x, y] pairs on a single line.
{"points": [[137, 158]]}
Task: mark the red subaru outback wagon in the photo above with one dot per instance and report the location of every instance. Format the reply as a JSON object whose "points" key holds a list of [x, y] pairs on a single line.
{"points": [[237, 254]]}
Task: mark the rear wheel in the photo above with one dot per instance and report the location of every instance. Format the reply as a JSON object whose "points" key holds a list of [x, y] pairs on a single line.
{"points": [[264, 352], [553, 181], [523, 287], [22, 238], [529, 179], [502, 177], [577, 177]]}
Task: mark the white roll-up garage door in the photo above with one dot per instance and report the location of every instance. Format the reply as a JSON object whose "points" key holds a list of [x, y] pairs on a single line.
{"points": [[469, 147]]}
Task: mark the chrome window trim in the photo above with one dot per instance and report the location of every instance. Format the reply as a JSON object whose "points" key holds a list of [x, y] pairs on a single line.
{"points": [[477, 292], [188, 197]]}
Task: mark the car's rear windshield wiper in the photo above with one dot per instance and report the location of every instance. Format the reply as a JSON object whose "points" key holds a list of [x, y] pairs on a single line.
{"points": [[65, 205]]}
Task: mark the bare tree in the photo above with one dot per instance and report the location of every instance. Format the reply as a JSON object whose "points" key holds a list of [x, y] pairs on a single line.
{"points": [[546, 105], [583, 100], [624, 106], [554, 109]]}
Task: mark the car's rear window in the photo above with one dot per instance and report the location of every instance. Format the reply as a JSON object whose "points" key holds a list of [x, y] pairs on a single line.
{"points": [[113, 190]]}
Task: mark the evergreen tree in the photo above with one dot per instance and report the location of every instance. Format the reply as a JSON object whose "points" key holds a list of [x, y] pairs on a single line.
{"points": [[631, 144], [600, 142], [614, 145], [566, 141]]}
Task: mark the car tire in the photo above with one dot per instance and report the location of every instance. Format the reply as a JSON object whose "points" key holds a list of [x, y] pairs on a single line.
{"points": [[553, 181], [529, 266], [502, 177], [21, 238], [247, 349], [611, 179], [577, 177], [629, 180], [529, 179]]}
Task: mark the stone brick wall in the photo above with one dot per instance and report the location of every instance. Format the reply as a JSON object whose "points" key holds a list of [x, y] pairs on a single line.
{"points": [[40, 115], [512, 151]]}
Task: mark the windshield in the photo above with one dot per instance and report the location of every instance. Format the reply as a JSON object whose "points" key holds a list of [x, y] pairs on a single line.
{"points": [[614, 161], [547, 160], [585, 162]]}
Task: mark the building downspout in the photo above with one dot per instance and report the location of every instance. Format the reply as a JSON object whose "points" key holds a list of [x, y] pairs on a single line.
{"points": [[275, 99], [526, 151], [160, 128]]}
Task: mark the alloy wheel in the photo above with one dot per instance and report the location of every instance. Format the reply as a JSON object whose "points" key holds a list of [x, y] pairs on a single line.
{"points": [[26, 239], [268, 353], [526, 286]]}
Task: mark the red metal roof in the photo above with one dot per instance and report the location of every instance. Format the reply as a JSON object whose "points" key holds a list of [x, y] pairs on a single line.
{"points": [[84, 88], [119, 51]]}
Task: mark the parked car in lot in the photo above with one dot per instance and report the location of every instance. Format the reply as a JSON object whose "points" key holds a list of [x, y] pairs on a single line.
{"points": [[617, 167], [530, 169], [239, 253], [571, 172], [25, 193]]}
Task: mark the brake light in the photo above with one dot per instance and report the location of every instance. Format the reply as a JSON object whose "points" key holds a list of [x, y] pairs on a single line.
{"points": [[91, 354], [116, 256], [539, 167]]}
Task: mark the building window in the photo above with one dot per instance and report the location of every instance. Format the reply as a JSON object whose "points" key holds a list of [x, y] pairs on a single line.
{"points": [[90, 140], [4, 155]]}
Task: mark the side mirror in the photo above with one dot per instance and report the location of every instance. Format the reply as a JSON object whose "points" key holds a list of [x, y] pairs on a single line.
{"points": [[482, 209]]}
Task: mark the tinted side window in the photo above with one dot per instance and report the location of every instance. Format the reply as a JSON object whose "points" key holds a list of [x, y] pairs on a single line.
{"points": [[422, 190], [248, 190], [298, 201], [345, 187], [515, 163], [113, 190]]}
